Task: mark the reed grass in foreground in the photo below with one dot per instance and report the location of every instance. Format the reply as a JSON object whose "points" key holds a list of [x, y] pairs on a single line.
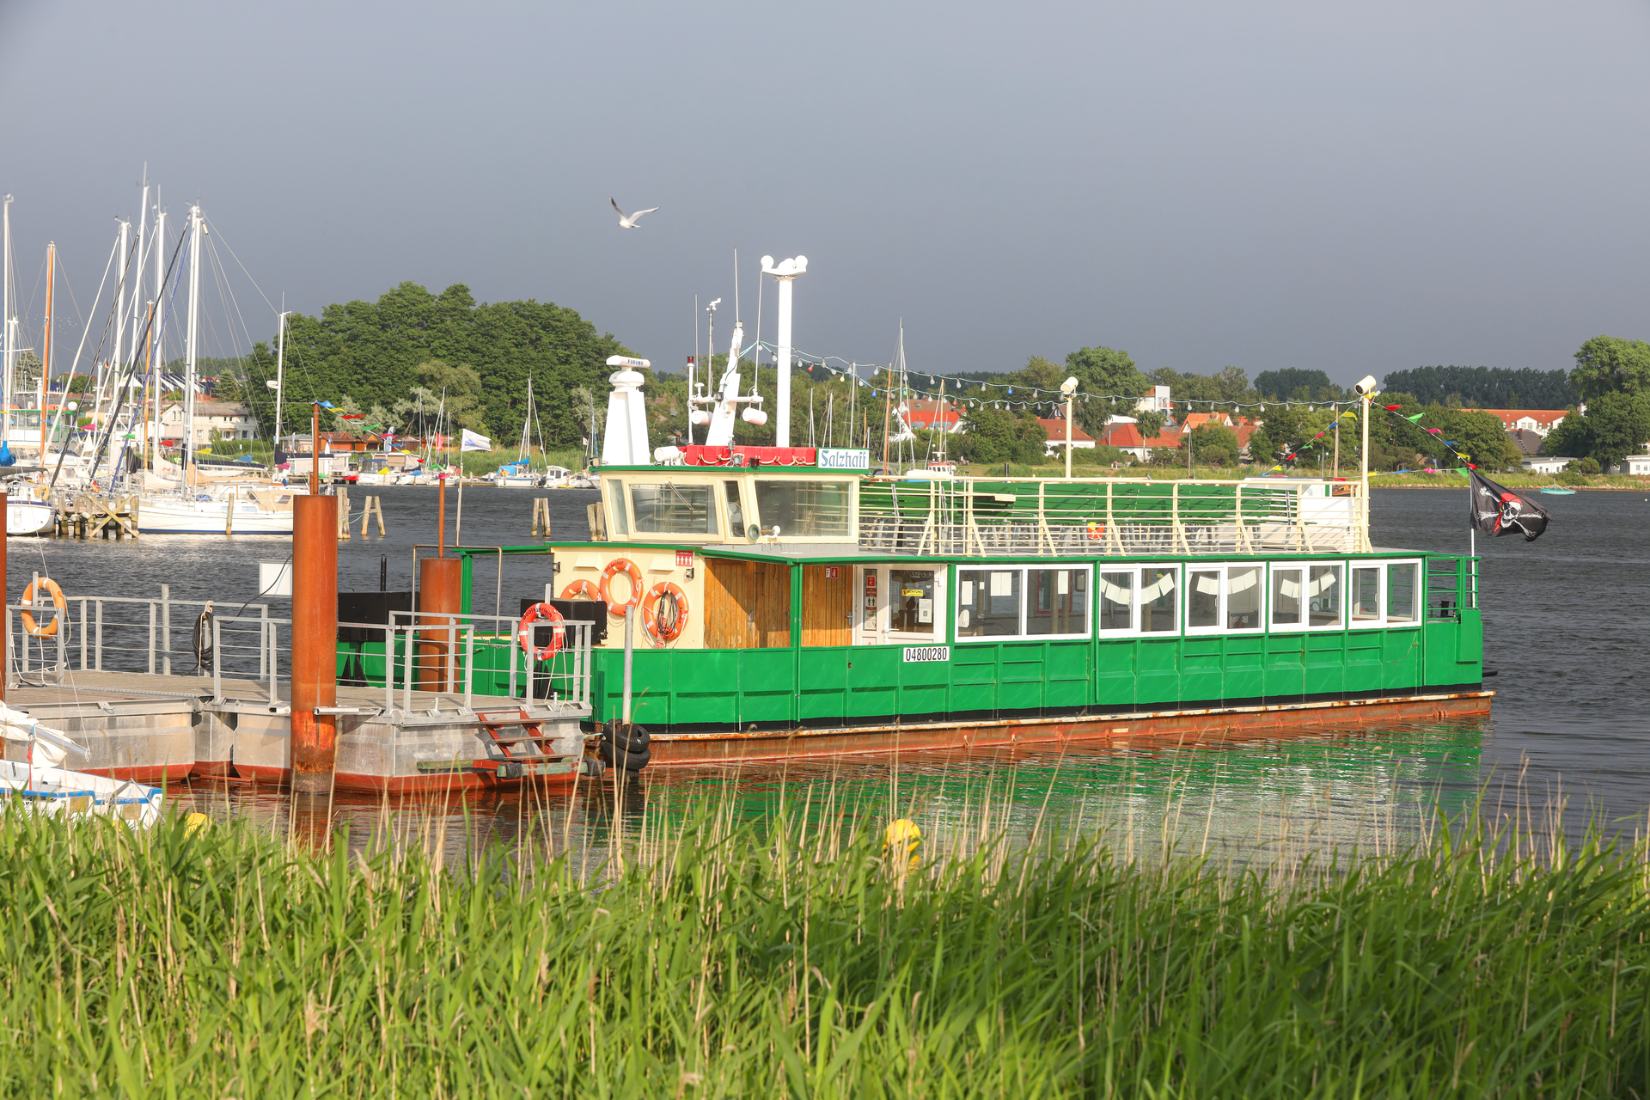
{"points": [[732, 960]]}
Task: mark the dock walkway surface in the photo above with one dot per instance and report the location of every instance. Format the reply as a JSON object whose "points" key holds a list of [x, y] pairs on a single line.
{"points": [[156, 727]]}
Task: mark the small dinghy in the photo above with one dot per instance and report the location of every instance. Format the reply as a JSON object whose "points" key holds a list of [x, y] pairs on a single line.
{"points": [[1556, 491], [46, 787]]}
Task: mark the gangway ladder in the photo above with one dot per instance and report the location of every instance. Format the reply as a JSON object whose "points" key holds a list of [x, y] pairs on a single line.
{"points": [[527, 754]]}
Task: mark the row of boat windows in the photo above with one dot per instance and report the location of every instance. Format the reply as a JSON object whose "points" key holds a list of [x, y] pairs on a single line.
{"points": [[1041, 602], [789, 506]]}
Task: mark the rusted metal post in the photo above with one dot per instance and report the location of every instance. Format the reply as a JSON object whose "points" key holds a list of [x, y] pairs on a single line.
{"points": [[314, 642], [440, 596]]}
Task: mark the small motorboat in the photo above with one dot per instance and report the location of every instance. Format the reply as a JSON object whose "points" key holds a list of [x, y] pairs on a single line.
{"points": [[46, 787], [1557, 491]]}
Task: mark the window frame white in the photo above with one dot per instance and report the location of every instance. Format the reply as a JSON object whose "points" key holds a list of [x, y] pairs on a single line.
{"points": [[1024, 569], [1382, 581], [1224, 570], [1304, 566]]}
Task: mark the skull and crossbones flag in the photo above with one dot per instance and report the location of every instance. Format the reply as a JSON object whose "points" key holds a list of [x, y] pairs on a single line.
{"points": [[1495, 511]]}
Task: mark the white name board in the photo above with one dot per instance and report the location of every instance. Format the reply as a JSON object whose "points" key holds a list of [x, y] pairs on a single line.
{"points": [[841, 458], [916, 653]]}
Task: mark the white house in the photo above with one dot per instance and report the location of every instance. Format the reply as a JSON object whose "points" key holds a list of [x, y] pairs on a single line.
{"points": [[1636, 465], [1155, 399], [1547, 464], [231, 420], [1539, 421]]}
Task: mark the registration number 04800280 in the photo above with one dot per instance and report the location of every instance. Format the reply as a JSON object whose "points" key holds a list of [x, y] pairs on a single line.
{"points": [[915, 653]]}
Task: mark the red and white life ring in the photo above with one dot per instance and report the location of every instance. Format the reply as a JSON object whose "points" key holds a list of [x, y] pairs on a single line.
{"points": [[558, 635], [581, 590], [665, 634], [604, 591]]}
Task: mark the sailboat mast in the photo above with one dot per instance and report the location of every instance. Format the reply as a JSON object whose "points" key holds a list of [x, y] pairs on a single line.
{"points": [[5, 323], [188, 455], [120, 311], [46, 349], [158, 360], [137, 281], [280, 372]]}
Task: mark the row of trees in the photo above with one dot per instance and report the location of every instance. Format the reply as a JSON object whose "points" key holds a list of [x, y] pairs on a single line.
{"points": [[1485, 387], [1612, 377]]}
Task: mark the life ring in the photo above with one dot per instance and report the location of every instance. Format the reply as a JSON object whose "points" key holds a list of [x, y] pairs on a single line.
{"points": [[665, 634], [581, 590], [558, 635], [1097, 530], [49, 586], [603, 593]]}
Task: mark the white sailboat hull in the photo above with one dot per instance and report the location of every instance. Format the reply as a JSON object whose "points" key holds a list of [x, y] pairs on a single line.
{"points": [[163, 516], [30, 517], [71, 795]]}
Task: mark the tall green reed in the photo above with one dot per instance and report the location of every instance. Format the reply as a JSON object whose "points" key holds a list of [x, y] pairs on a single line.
{"points": [[716, 955]]}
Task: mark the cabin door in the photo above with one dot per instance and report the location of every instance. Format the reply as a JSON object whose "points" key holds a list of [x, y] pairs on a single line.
{"points": [[899, 606]]}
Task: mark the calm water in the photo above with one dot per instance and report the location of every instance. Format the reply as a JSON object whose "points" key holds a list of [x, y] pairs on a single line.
{"points": [[1561, 619]]}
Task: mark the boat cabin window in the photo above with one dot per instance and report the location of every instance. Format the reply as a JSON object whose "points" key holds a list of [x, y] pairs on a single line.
{"points": [[736, 510], [911, 601], [1023, 602], [618, 515], [1306, 596], [673, 509], [1386, 593], [1117, 602], [1223, 598], [988, 603], [1158, 599], [1400, 592], [803, 508]]}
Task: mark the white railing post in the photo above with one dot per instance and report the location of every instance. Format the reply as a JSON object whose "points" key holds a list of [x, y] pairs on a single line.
{"points": [[166, 629], [151, 637], [98, 648], [469, 661], [217, 660], [389, 667], [273, 663]]}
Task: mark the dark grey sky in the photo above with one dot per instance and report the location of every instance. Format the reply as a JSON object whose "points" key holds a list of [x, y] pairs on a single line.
{"points": [[1356, 187]]}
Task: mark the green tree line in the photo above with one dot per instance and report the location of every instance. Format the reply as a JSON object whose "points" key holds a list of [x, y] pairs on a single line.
{"points": [[1484, 387]]}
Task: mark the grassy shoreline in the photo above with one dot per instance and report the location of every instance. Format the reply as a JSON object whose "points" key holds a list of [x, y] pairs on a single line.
{"points": [[719, 958]]}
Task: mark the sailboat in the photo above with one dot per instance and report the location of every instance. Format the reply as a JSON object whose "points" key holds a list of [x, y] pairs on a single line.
{"points": [[520, 473], [28, 509]]}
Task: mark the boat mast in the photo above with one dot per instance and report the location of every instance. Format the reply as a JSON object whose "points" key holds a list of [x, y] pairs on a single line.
{"points": [[5, 323], [46, 349], [158, 361], [113, 367], [280, 370], [190, 350]]}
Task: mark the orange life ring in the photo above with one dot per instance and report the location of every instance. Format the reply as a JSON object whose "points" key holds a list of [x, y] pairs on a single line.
{"points": [[56, 593], [603, 593], [1097, 530], [650, 612], [581, 590], [558, 635]]}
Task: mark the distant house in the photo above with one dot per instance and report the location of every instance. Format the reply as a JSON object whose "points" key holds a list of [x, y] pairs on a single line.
{"points": [[230, 419], [925, 414], [1527, 440], [1055, 426], [1636, 465], [1545, 464], [1539, 421], [1155, 399]]}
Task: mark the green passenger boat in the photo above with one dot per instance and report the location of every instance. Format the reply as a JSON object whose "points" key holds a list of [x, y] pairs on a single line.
{"points": [[787, 605]]}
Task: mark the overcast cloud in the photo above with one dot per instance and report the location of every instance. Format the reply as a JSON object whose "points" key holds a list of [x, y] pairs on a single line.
{"points": [[1352, 187]]}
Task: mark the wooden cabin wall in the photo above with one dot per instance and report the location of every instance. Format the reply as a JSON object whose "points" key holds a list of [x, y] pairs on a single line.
{"points": [[747, 605], [827, 606]]}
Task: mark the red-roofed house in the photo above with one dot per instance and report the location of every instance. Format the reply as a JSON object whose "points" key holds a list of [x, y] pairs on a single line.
{"points": [[1194, 421], [928, 415], [1539, 421], [1055, 426]]}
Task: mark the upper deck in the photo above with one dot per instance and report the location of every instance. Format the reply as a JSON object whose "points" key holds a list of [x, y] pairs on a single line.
{"points": [[748, 499]]}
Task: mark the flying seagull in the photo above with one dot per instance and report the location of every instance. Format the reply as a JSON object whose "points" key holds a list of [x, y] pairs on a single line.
{"points": [[628, 221]]}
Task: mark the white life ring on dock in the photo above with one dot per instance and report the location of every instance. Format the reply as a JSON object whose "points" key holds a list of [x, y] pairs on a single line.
{"points": [[558, 635], [605, 592], [35, 588]]}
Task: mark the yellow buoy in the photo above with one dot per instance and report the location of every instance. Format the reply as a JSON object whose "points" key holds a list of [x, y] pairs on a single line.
{"points": [[194, 823], [902, 836]]}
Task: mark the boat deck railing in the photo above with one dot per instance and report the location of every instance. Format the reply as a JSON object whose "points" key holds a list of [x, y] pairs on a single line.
{"points": [[458, 655], [1045, 517]]}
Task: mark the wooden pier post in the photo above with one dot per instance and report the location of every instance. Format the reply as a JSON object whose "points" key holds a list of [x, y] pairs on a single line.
{"points": [[343, 512], [541, 511], [314, 642], [374, 507]]}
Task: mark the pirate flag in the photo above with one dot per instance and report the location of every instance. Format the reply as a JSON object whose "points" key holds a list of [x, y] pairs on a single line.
{"points": [[1495, 511]]}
